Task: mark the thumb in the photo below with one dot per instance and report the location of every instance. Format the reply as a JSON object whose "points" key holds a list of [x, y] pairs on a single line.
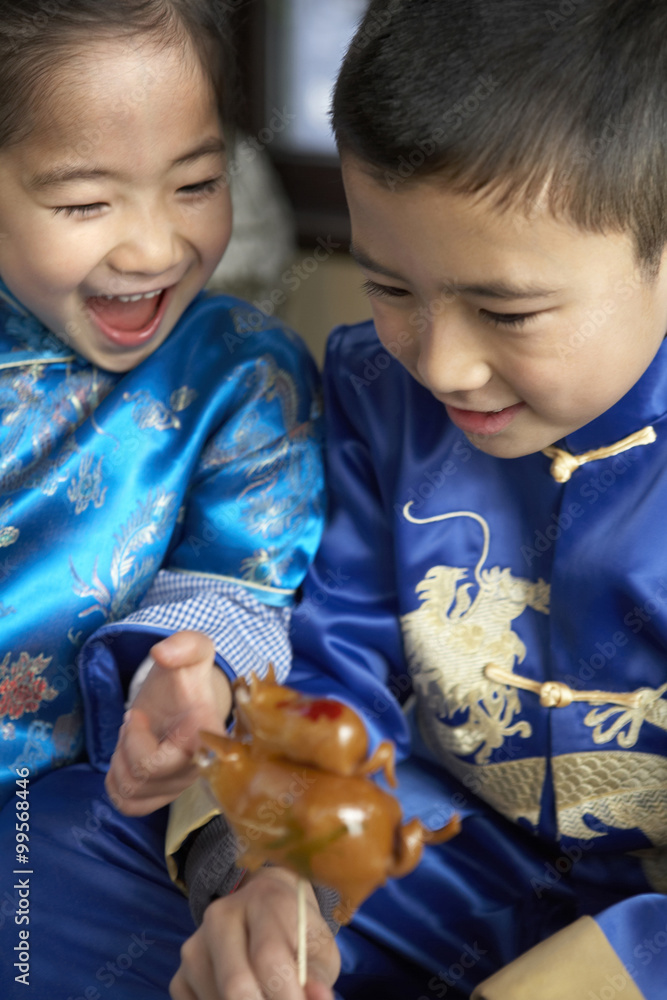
{"points": [[184, 649], [192, 692]]}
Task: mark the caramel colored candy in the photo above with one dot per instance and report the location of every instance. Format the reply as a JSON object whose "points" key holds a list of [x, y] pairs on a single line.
{"points": [[320, 732], [338, 830]]}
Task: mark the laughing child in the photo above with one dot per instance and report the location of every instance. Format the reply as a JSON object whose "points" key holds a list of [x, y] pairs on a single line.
{"points": [[159, 475]]}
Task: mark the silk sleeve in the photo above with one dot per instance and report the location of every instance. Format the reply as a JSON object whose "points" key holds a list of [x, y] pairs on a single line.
{"points": [[346, 632], [248, 526], [620, 954]]}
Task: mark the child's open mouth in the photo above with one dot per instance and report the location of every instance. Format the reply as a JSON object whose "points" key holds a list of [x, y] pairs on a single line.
{"points": [[129, 320]]}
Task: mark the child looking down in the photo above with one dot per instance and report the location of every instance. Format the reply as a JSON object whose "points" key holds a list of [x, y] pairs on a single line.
{"points": [[490, 590]]}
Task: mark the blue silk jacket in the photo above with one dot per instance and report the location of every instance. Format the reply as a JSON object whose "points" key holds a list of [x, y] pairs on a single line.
{"points": [[518, 610], [202, 463]]}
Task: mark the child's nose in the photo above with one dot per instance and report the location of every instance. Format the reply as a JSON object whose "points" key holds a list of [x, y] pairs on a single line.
{"points": [[152, 246], [452, 359]]}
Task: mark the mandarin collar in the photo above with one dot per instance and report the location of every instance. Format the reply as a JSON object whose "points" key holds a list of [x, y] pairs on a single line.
{"points": [[645, 403], [30, 334]]}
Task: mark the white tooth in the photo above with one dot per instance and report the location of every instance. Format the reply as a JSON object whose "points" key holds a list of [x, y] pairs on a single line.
{"points": [[136, 298]]}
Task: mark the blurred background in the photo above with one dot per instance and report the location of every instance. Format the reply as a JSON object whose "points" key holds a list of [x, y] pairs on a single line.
{"points": [[289, 249]]}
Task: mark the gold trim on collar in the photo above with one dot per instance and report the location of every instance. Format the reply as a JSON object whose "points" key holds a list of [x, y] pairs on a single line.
{"points": [[564, 464], [554, 694]]}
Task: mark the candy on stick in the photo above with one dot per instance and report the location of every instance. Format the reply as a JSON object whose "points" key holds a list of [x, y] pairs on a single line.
{"points": [[292, 783], [320, 732]]}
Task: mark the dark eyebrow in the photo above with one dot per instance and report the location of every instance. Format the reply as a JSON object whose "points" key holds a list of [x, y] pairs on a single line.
{"points": [[66, 174], [487, 290], [69, 172], [210, 147]]}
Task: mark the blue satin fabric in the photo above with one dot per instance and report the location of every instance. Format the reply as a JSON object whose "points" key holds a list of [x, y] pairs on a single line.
{"points": [[575, 584], [203, 459], [105, 919]]}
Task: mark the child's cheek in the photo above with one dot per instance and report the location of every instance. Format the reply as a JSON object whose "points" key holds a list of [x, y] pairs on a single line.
{"points": [[398, 331]]}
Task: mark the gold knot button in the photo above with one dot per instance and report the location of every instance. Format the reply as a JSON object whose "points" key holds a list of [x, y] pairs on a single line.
{"points": [[553, 694], [563, 463]]}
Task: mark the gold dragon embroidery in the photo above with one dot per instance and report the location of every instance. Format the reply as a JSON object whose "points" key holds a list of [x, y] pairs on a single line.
{"points": [[452, 637]]}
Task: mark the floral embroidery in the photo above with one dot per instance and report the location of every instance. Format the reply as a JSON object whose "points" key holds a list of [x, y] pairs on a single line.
{"points": [[8, 534], [37, 750], [271, 459], [150, 412], [87, 488], [129, 575], [22, 690], [262, 567], [41, 418]]}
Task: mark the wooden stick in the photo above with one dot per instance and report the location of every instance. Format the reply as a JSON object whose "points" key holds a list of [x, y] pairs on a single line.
{"points": [[302, 957]]}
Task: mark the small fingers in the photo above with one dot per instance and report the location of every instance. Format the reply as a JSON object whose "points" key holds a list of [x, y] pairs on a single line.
{"points": [[146, 773], [214, 962], [273, 942]]}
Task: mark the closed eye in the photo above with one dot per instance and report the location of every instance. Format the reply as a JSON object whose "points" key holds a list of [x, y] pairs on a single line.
{"points": [[371, 287], [204, 187], [506, 319], [80, 211]]}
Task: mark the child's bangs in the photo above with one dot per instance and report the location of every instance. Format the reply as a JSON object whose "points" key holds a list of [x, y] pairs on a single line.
{"points": [[496, 98], [598, 189], [36, 38]]}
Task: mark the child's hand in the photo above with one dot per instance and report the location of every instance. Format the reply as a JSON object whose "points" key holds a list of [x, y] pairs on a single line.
{"points": [[246, 946], [184, 692]]}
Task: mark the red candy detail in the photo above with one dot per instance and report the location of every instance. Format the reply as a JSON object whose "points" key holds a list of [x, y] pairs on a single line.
{"points": [[313, 709]]}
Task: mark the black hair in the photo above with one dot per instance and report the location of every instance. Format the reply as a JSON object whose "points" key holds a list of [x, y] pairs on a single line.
{"points": [[518, 99], [38, 36]]}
